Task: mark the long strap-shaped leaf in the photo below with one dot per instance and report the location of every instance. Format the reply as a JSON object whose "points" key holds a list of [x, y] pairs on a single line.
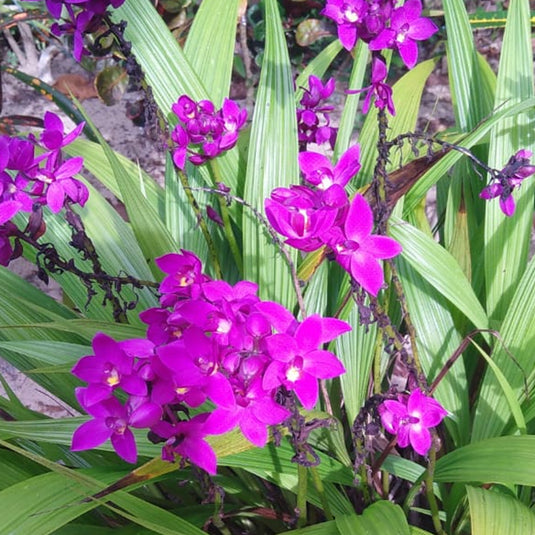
{"points": [[272, 160], [507, 239], [515, 360], [211, 53]]}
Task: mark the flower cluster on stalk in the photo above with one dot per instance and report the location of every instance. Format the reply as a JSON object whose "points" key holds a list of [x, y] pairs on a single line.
{"points": [[31, 179], [79, 17], [313, 120], [207, 342], [321, 214], [204, 132], [383, 25], [508, 179]]}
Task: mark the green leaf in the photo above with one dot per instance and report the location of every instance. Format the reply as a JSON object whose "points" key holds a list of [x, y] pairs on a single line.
{"points": [[507, 460], [493, 513], [437, 339], [439, 269], [211, 53], [355, 382], [381, 517], [272, 162], [507, 240], [514, 357]]}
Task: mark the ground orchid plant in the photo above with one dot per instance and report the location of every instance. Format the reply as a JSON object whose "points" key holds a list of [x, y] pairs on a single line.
{"points": [[278, 339]]}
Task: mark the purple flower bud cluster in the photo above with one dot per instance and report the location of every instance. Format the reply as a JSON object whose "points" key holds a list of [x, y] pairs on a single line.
{"points": [[29, 181], [382, 25], [313, 120], [86, 19], [208, 341], [508, 179], [211, 131], [320, 214], [410, 417]]}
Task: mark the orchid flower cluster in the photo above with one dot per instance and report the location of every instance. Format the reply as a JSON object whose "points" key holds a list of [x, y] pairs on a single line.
{"points": [[208, 341], [383, 26], [320, 214], [313, 120], [31, 179], [211, 131], [87, 19], [508, 179]]}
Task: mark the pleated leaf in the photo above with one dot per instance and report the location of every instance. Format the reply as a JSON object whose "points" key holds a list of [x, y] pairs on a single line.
{"points": [[211, 52], [493, 513], [507, 239], [381, 517], [439, 269], [437, 339], [507, 460], [272, 162], [515, 361]]}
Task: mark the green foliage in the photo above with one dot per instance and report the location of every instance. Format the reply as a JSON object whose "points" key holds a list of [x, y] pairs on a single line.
{"points": [[472, 274]]}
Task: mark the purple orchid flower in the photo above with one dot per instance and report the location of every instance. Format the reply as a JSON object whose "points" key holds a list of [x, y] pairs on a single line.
{"points": [[300, 214], [298, 363], [358, 251], [188, 439], [53, 136], [111, 420], [406, 27], [510, 177], [318, 170], [410, 418], [350, 16], [110, 367]]}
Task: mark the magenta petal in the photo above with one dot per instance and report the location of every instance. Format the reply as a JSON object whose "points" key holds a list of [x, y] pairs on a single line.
{"points": [[422, 29], [282, 347], [347, 35], [55, 197], [507, 205], [253, 430], [332, 328], [322, 364], [146, 415], [9, 209], [367, 271], [359, 221], [348, 165], [125, 445], [381, 247], [90, 435], [408, 50], [308, 334], [199, 452], [306, 389], [312, 161], [220, 391], [420, 439], [69, 168], [269, 412], [403, 436]]}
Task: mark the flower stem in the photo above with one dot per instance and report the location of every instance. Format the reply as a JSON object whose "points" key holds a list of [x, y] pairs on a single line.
{"points": [[302, 480], [318, 483], [433, 505], [202, 223], [233, 244]]}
